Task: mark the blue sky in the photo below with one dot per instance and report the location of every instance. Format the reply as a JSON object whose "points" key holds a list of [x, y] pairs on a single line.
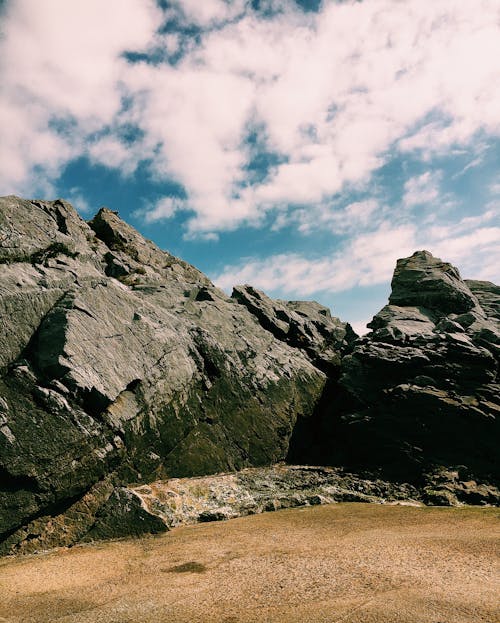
{"points": [[299, 146]]}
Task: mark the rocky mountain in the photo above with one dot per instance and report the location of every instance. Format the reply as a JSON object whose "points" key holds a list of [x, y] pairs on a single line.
{"points": [[120, 364]]}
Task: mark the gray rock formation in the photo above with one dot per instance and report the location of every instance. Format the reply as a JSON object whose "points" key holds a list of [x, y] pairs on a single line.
{"points": [[121, 364], [418, 397], [119, 361], [426, 281], [305, 325]]}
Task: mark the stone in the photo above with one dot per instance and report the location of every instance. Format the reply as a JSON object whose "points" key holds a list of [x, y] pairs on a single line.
{"points": [[305, 325], [112, 362], [488, 295], [124, 371], [425, 281], [420, 392], [184, 501], [395, 323], [123, 515]]}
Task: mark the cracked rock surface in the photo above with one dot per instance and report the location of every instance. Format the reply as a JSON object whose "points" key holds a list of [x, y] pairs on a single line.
{"points": [[418, 397], [121, 363]]}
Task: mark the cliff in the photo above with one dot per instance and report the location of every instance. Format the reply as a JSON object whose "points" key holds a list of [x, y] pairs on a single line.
{"points": [[121, 364]]}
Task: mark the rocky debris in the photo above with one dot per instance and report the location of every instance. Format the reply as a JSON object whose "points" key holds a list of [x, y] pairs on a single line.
{"points": [[256, 490], [105, 512], [420, 392], [119, 359], [452, 487], [306, 325]]}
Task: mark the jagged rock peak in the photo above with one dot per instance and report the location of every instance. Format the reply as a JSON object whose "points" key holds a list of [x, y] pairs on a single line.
{"points": [[36, 230], [120, 236], [302, 324], [423, 280], [422, 387]]}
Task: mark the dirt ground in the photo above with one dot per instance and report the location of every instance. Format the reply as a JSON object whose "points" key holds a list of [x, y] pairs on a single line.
{"points": [[349, 563]]}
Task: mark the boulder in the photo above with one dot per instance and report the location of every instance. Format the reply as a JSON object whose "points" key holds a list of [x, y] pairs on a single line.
{"points": [[423, 280]]}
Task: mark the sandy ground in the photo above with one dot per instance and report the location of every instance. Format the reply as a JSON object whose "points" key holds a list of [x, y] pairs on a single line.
{"points": [[350, 563]]}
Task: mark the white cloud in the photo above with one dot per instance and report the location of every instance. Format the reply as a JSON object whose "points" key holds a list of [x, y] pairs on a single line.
{"points": [[422, 189], [62, 61], [494, 188], [333, 92], [369, 259], [208, 12], [165, 208], [77, 199], [477, 253], [331, 216]]}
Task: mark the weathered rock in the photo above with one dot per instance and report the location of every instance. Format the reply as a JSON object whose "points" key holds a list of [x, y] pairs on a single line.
{"points": [[425, 281], [451, 487], [306, 325], [123, 514], [309, 327], [64, 527], [488, 295], [420, 392], [120, 364], [185, 501], [118, 357]]}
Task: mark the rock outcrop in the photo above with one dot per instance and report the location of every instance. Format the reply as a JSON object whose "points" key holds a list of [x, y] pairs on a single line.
{"points": [[161, 505], [122, 365], [418, 398], [305, 325], [120, 362]]}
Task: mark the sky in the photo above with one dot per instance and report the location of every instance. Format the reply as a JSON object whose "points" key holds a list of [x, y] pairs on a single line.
{"points": [[299, 146]]}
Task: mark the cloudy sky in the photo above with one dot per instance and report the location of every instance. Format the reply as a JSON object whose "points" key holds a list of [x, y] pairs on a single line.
{"points": [[301, 146]]}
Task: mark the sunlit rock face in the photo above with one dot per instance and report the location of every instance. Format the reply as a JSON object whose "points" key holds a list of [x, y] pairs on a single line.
{"points": [[121, 363]]}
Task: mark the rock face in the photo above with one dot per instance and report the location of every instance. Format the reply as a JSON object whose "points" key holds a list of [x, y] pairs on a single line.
{"points": [[306, 325], [418, 396], [121, 364]]}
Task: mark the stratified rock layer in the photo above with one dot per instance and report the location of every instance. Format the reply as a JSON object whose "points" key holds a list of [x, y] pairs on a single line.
{"points": [[121, 362]]}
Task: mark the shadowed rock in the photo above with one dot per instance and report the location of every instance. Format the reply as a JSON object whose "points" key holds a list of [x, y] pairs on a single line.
{"points": [[421, 391], [426, 281]]}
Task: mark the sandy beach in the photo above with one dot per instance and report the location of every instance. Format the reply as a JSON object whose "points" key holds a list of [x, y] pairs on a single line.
{"points": [[352, 563]]}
